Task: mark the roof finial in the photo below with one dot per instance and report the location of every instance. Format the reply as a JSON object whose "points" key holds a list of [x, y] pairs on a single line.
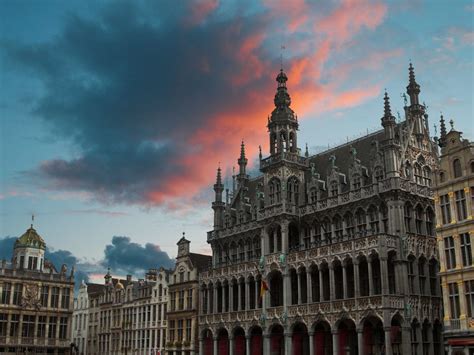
{"points": [[451, 123], [32, 219], [387, 109], [306, 153], [282, 47], [260, 152], [219, 176]]}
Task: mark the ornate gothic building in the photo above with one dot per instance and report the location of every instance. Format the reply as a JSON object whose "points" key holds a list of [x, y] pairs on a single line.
{"points": [[343, 239]]}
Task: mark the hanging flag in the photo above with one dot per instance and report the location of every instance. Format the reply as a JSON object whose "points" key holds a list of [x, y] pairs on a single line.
{"points": [[263, 288]]}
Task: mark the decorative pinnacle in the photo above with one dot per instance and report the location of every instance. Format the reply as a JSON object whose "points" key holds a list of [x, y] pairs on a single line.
{"points": [[442, 127], [386, 106], [411, 72], [306, 153], [219, 176], [242, 150], [451, 123], [260, 152]]}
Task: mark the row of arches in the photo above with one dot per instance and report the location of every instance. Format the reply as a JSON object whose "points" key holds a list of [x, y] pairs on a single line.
{"points": [[370, 337], [349, 277]]}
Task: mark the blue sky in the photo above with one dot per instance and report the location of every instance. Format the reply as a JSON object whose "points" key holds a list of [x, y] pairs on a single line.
{"points": [[114, 115]]}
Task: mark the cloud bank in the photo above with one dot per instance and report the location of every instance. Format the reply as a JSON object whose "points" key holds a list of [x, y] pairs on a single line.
{"points": [[153, 95]]}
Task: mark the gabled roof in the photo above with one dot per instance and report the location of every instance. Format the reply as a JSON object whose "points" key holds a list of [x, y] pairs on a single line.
{"points": [[200, 261]]}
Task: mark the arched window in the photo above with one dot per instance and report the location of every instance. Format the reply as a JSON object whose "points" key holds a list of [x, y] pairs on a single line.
{"points": [[426, 176], [283, 141], [349, 219], [419, 219], [374, 219], [360, 220], [274, 143], [384, 213], [292, 144], [378, 174], [429, 221], [317, 233], [418, 174], [327, 229], [457, 171], [408, 212], [338, 231], [275, 191], [293, 190]]}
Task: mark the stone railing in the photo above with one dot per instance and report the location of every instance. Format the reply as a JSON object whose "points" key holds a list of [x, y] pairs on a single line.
{"points": [[284, 156], [240, 316]]}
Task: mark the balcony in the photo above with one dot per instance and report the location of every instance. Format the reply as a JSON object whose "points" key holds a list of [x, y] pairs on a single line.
{"points": [[284, 157]]}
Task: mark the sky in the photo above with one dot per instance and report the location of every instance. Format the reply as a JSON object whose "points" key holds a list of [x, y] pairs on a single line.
{"points": [[114, 115]]}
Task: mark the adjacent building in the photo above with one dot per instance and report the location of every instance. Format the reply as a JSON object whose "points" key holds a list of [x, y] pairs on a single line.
{"points": [[36, 300], [454, 195], [122, 316], [344, 240], [183, 304]]}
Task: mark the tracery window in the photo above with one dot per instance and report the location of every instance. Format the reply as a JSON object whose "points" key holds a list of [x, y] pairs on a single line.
{"points": [[418, 174], [293, 190], [313, 195], [419, 219], [338, 231], [349, 219], [360, 220], [373, 219], [378, 174], [408, 211], [426, 176], [275, 191]]}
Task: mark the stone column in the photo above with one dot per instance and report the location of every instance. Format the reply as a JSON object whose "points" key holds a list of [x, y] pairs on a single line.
{"points": [[215, 300], [457, 249], [388, 341], [452, 205], [208, 300], [468, 203], [344, 281], [309, 286], [384, 275], [201, 346], [266, 344], [247, 294], [215, 346], [264, 242], [371, 281], [288, 344], [356, 278], [239, 292], [256, 294], [360, 340], [231, 296], [335, 342], [462, 305], [231, 345], [321, 288], [284, 237], [332, 293], [286, 289], [247, 344], [311, 343], [298, 277]]}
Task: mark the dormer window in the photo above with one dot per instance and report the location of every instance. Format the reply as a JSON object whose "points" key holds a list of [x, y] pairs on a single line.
{"points": [[356, 184], [334, 188]]}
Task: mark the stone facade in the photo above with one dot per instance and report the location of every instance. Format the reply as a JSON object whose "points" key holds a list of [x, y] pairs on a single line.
{"points": [[36, 301], [183, 302], [343, 239], [454, 195], [122, 316]]}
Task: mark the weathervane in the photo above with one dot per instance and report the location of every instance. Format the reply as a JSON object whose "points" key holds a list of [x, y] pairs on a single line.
{"points": [[282, 47]]}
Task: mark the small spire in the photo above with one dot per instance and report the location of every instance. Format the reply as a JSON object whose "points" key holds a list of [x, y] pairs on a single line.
{"points": [[386, 106], [242, 160], [242, 150], [411, 74], [306, 153], [32, 219], [413, 89], [442, 129], [219, 176], [260, 152]]}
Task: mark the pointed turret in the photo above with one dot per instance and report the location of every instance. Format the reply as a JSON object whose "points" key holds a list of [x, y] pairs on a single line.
{"points": [[443, 133], [242, 160], [413, 89], [388, 120], [218, 205]]}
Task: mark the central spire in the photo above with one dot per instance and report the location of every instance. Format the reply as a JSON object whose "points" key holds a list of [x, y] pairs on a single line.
{"points": [[283, 123]]}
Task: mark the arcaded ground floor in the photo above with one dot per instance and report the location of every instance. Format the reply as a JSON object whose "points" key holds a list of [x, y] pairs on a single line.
{"points": [[345, 337]]}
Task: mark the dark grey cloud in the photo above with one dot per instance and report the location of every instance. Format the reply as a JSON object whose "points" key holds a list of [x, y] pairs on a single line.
{"points": [[129, 87], [124, 256]]}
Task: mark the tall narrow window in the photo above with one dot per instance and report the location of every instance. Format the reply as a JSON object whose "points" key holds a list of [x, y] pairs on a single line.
{"points": [[457, 171], [374, 220], [426, 176], [419, 219], [17, 294], [445, 209], [334, 188], [356, 182], [313, 193], [3, 324], [461, 208], [408, 211], [454, 300], [450, 252], [6, 293], [469, 291], [54, 297], [429, 221], [418, 174], [466, 251]]}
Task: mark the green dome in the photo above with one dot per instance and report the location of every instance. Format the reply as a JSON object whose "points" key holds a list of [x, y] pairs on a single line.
{"points": [[30, 239]]}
